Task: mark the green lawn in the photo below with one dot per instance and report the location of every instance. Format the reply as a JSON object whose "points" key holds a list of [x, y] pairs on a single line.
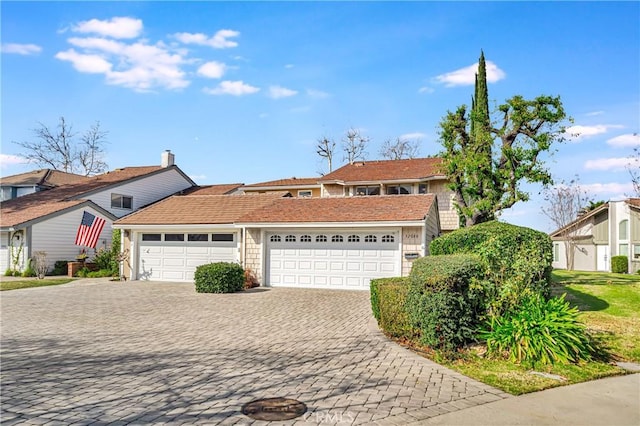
{"points": [[28, 283], [610, 306]]}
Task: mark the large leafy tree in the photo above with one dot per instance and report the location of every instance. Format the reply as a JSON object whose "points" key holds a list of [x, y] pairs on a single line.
{"points": [[488, 156]]}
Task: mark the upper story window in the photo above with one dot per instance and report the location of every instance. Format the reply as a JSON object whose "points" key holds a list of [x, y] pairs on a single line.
{"points": [[304, 194], [423, 188], [305, 239], [398, 189], [119, 201], [623, 227], [367, 190]]}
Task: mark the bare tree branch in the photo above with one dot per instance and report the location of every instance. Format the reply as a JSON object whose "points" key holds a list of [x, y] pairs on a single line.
{"points": [[354, 146], [325, 148], [399, 149]]}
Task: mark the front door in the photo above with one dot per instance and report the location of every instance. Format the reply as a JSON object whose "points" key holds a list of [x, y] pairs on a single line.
{"points": [[602, 258]]}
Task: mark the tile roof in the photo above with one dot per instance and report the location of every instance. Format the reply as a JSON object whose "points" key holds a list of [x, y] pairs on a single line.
{"points": [[294, 181], [635, 202], [396, 208], [33, 206], [199, 209], [386, 170], [45, 177], [221, 189]]}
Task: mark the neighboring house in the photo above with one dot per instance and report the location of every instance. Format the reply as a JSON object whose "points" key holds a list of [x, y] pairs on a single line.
{"points": [[48, 220], [38, 180], [372, 178], [612, 229], [298, 187], [339, 243]]}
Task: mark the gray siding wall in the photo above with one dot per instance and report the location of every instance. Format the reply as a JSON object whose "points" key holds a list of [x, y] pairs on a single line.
{"points": [[601, 228]]}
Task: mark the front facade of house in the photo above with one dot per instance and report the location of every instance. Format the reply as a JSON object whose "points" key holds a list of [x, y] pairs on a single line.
{"points": [[612, 229], [283, 240], [48, 220], [38, 180]]}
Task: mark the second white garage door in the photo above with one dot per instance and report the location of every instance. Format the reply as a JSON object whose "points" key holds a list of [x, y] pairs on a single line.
{"points": [[340, 259], [175, 256]]}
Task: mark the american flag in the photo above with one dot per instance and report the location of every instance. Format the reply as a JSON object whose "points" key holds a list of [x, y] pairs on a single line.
{"points": [[89, 230]]}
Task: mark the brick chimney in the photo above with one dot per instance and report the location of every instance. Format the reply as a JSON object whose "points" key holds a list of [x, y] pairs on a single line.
{"points": [[168, 159]]}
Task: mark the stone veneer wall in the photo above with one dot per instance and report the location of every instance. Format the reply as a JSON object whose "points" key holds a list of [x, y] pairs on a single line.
{"points": [[253, 253], [448, 215]]}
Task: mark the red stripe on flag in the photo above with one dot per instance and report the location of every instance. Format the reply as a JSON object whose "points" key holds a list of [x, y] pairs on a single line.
{"points": [[89, 230]]}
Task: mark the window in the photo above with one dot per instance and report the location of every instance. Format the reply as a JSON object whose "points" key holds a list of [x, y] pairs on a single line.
{"points": [[556, 252], [337, 239], [174, 237], [197, 237], [290, 239], [305, 239], [275, 239], [623, 249], [321, 239], [636, 251], [121, 202], [398, 189], [353, 239], [304, 194], [151, 237], [622, 229], [367, 190], [370, 239], [222, 237], [423, 188], [387, 238]]}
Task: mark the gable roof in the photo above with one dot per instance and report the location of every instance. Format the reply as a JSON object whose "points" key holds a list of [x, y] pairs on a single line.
{"points": [[385, 208], [221, 189], [290, 182], [29, 207], [386, 170], [579, 220], [634, 202], [199, 209], [42, 177]]}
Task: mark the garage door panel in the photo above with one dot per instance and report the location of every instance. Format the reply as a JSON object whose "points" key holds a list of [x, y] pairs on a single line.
{"points": [[320, 265], [354, 266], [336, 266], [169, 250], [387, 267], [369, 267], [169, 262], [354, 281], [194, 251]]}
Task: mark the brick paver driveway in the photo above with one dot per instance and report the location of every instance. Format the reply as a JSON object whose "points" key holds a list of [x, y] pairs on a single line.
{"points": [[144, 352]]}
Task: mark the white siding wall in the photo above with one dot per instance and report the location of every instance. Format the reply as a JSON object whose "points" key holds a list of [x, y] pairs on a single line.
{"points": [[57, 235], [4, 251], [144, 191]]}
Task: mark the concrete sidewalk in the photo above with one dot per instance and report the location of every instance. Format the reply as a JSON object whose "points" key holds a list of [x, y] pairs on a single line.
{"points": [[614, 401]]}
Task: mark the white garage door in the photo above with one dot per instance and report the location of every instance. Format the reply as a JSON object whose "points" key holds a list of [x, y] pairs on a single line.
{"points": [[4, 252], [175, 256], [341, 260]]}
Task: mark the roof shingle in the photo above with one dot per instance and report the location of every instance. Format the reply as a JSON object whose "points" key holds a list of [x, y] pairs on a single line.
{"points": [[294, 181], [45, 177], [386, 170], [221, 189]]}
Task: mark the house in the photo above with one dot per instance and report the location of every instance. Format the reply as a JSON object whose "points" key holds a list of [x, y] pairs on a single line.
{"points": [[373, 178], [324, 242], [48, 220], [38, 180], [612, 229]]}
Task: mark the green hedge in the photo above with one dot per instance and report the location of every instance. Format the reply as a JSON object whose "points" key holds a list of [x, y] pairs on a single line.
{"points": [[375, 284], [620, 264], [394, 316], [442, 299], [517, 259], [220, 277]]}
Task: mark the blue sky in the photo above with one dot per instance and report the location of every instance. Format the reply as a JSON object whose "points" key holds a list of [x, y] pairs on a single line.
{"points": [[241, 92]]}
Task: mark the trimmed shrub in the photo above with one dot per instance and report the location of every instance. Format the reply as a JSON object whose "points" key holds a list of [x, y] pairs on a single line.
{"points": [[374, 286], [394, 317], [220, 277], [517, 259], [620, 264], [539, 332], [29, 271], [443, 298]]}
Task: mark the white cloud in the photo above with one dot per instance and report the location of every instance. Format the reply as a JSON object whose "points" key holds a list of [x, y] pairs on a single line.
{"points": [[198, 178], [578, 132], [467, 76], [234, 88], [21, 49], [317, 94], [278, 92], [10, 160], [411, 136], [289, 66], [608, 188], [212, 69], [117, 27], [218, 41], [608, 164], [624, 141], [426, 89], [263, 115], [594, 113], [92, 64]]}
